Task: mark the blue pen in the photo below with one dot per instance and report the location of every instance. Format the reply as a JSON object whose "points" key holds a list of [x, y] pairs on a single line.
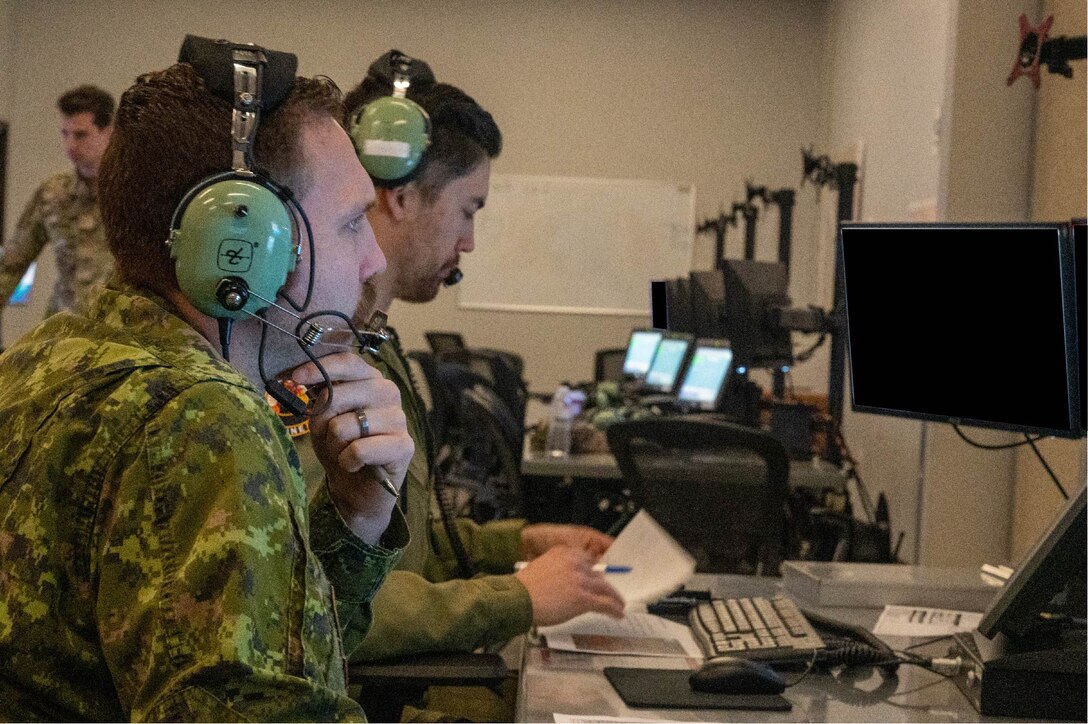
{"points": [[599, 568]]}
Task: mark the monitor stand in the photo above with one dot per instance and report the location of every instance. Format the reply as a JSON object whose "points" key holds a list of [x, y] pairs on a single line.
{"points": [[1042, 680]]}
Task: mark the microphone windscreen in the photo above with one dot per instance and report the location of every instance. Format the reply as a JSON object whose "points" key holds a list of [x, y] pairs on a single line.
{"points": [[453, 277]]}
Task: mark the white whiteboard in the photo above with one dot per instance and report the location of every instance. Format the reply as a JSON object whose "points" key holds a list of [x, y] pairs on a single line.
{"points": [[577, 245]]}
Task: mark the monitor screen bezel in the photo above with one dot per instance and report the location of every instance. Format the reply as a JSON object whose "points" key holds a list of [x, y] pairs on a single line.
{"points": [[1066, 263], [689, 339], [713, 344], [630, 339]]}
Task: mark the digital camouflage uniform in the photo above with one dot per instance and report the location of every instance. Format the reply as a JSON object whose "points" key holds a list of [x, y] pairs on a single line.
{"points": [[157, 556], [422, 606], [64, 213]]}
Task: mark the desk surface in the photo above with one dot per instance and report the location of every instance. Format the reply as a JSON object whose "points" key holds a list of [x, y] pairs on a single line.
{"points": [[569, 683], [817, 474]]}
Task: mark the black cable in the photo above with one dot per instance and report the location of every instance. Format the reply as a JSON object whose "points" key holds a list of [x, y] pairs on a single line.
{"points": [[927, 642], [1028, 440], [441, 492], [807, 671], [985, 446], [1050, 472], [804, 356], [863, 492]]}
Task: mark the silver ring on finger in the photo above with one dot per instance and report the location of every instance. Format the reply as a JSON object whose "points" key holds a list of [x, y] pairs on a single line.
{"points": [[364, 424]]}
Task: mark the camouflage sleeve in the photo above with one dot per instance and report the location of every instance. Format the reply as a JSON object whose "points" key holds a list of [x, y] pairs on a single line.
{"points": [[211, 604], [22, 248], [355, 573]]}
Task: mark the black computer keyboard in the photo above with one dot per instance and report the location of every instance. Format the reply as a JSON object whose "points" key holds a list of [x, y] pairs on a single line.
{"points": [[756, 628]]}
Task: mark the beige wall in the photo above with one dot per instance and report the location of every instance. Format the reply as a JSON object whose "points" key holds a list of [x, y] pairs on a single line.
{"points": [[1058, 192], [886, 75], [690, 92], [703, 93], [985, 175]]}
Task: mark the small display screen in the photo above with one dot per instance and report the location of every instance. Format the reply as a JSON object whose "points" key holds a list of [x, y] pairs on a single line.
{"points": [[667, 363], [640, 352], [706, 374]]}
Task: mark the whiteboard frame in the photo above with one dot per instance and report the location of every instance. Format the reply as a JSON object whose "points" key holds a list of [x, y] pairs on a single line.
{"points": [[643, 313]]}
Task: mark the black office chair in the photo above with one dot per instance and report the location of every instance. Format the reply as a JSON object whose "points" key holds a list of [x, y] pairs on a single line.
{"points": [[442, 342], [439, 412], [502, 371], [720, 489], [608, 364], [482, 470]]}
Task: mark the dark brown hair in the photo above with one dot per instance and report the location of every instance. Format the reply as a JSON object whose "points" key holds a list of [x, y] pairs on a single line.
{"points": [[169, 134], [88, 99]]}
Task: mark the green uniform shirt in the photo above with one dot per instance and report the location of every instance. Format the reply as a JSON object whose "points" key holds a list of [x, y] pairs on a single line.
{"points": [[157, 556], [64, 213], [422, 606]]}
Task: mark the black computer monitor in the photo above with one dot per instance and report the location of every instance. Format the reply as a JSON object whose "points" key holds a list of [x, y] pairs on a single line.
{"points": [[972, 324], [705, 380], [736, 302], [1049, 580], [640, 352], [668, 361], [1080, 262], [752, 290]]}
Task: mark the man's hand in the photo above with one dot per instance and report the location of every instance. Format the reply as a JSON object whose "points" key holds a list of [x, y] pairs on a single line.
{"points": [[356, 463], [538, 538], [562, 584]]}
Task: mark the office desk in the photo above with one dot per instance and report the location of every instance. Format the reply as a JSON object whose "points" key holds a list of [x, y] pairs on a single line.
{"points": [[817, 474], [570, 683]]}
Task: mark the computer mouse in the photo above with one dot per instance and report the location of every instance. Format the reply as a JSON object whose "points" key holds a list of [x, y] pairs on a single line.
{"points": [[726, 675]]}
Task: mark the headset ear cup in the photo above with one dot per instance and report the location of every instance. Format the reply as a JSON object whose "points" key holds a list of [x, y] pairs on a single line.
{"points": [[237, 227], [390, 135]]}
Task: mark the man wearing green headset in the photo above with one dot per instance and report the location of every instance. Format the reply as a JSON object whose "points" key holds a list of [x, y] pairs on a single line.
{"points": [[423, 222], [159, 557]]}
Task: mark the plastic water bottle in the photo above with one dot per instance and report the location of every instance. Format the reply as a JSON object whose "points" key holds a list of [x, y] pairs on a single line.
{"points": [[558, 443]]}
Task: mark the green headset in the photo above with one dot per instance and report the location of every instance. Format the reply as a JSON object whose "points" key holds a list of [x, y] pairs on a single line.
{"points": [[391, 133], [234, 236]]}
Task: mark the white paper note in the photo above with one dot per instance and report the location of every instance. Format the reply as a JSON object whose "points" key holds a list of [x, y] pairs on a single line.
{"points": [[659, 565], [920, 622], [596, 719]]}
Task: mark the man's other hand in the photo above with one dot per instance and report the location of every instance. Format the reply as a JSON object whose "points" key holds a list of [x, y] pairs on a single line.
{"points": [[538, 538], [562, 584]]}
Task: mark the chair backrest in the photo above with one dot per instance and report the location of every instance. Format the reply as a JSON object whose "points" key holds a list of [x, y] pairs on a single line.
{"points": [[485, 463], [720, 489], [501, 370], [442, 342], [436, 396], [608, 364]]}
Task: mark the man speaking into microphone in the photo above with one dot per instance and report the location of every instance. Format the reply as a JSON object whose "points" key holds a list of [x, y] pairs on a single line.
{"points": [[428, 191]]}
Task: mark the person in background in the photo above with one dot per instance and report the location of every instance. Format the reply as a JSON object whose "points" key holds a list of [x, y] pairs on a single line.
{"points": [[159, 557], [423, 224], [64, 210]]}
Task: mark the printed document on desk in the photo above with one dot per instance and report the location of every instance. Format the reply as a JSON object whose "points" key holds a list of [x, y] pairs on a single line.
{"points": [[636, 634], [659, 565]]}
